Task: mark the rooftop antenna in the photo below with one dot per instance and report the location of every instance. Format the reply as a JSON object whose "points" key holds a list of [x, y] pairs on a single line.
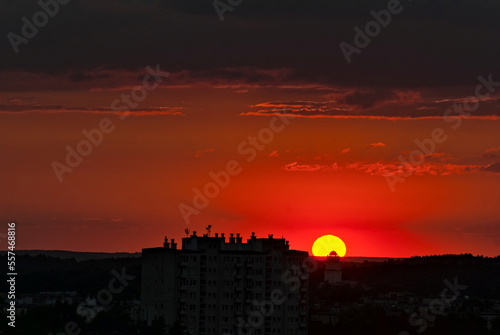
{"points": [[208, 229], [187, 231]]}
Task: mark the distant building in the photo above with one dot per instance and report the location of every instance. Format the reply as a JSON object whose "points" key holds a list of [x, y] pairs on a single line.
{"points": [[325, 318], [211, 285], [49, 298], [333, 272]]}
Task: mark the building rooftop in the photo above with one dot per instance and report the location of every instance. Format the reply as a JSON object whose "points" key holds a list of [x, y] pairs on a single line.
{"points": [[232, 244]]}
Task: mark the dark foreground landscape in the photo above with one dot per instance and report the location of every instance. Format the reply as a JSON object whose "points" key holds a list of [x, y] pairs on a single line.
{"points": [[405, 296]]}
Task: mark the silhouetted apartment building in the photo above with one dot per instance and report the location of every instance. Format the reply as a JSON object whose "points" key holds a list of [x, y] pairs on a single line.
{"points": [[216, 287]]}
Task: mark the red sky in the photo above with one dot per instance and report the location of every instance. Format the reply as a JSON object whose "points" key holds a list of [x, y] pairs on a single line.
{"points": [[318, 176]]}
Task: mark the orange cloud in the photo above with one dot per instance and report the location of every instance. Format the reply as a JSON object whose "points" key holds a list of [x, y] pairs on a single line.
{"points": [[346, 150], [310, 167], [376, 145], [344, 116], [386, 168], [490, 150], [495, 168], [368, 98], [432, 157], [395, 168], [52, 109], [199, 153]]}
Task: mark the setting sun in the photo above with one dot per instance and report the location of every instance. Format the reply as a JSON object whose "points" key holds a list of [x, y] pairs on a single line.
{"points": [[324, 245]]}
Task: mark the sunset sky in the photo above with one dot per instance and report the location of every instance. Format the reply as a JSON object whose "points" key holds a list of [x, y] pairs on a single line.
{"points": [[327, 171]]}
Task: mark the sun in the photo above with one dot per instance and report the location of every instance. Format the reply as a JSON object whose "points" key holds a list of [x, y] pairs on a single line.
{"points": [[326, 244]]}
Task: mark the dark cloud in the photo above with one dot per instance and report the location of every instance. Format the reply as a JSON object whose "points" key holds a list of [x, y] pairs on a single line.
{"points": [[364, 99], [377, 103], [431, 43], [367, 100], [81, 76], [495, 167], [36, 108]]}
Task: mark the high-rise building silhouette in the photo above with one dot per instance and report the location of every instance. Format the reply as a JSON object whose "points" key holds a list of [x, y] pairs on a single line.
{"points": [[216, 287]]}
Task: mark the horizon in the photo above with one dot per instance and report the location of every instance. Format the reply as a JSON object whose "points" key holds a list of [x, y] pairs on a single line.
{"points": [[312, 256]]}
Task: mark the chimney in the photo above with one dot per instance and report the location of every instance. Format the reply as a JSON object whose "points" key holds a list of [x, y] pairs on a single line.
{"points": [[194, 234], [253, 236], [238, 238], [287, 246], [270, 236], [231, 239], [165, 243], [216, 235], [173, 244]]}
